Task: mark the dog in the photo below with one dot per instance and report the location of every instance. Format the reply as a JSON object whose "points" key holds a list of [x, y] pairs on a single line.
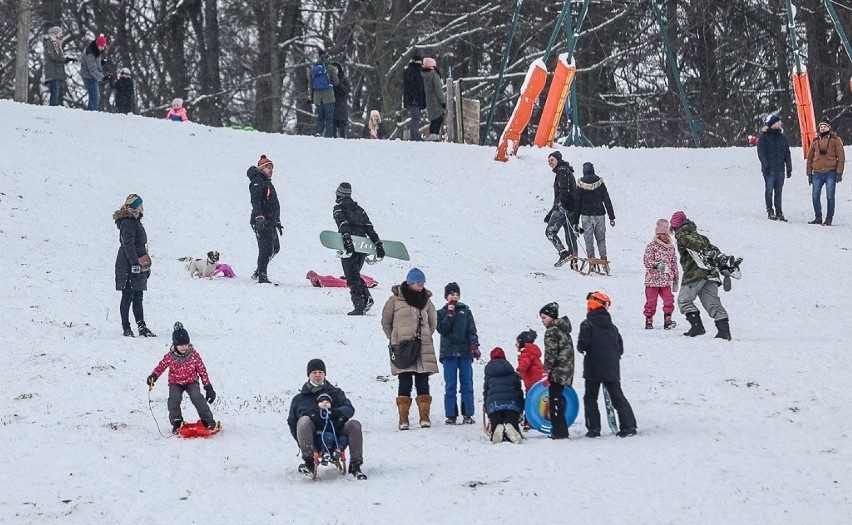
{"points": [[200, 267]]}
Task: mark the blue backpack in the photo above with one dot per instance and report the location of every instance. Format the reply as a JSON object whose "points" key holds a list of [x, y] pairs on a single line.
{"points": [[319, 74]]}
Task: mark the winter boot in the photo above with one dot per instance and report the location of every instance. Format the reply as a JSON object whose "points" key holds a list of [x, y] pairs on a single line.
{"points": [[668, 322], [403, 404], [358, 310], [143, 330], [627, 432], [369, 304], [212, 425], [451, 421], [827, 222], [497, 433], [468, 420], [771, 213], [818, 220], [308, 466], [355, 470], [423, 405], [780, 217], [176, 424], [575, 265], [593, 434], [263, 279], [649, 323], [696, 327], [564, 257], [512, 434], [254, 276], [723, 329], [128, 332], [360, 303]]}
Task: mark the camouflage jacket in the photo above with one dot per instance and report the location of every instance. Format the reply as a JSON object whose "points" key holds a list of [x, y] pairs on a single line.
{"points": [[688, 238], [559, 352]]}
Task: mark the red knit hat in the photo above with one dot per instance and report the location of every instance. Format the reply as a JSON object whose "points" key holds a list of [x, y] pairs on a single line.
{"points": [[498, 353], [264, 160], [101, 41], [677, 219]]}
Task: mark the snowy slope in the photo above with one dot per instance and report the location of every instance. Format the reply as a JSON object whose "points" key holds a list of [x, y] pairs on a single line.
{"points": [[748, 431]]}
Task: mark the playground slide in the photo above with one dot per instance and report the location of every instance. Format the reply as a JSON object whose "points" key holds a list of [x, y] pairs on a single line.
{"points": [[531, 89], [555, 103], [805, 108]]}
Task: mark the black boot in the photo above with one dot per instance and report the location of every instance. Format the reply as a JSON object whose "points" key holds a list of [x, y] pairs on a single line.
{"points": [[564, 257], [668, 322], [176, 424], [355, 470], [128, 332], [771, 213], [263, 279], [696, 328], [723, 329], [143, 330]]}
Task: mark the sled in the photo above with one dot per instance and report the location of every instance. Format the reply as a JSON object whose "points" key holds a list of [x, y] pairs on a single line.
{"points": [[329, 281], [537, 407], [590, 265], [335, 459], [334, 240], [197, 429]]}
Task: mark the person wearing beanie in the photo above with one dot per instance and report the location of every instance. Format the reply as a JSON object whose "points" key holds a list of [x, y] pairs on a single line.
{"points": [[592, 203], [54, 64], [124, 90], [132, 264], [601, 345], [661, 275], [436, 100], [341, 102], [177, 113], [185, 368], [559, 362], [825, 163], [504, 399], [324, 77], [773, 150], [352, 220], [697, 282], [529, 359], [329, 438], [414, 94], [265, 216], [305, 417], [564, 191], [459, 347], [92, 71], [374, 129], [409, 312]]}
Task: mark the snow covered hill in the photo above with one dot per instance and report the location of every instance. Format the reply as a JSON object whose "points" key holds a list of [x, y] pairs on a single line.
{"points": [[748, 431]]}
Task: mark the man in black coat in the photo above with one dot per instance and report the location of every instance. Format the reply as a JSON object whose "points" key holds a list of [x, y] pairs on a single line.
{"points": [[602, 346], [773, 150], [303, 414], [352, 220], [564, 186], [414, 94], [265, 215], [341, 102]]}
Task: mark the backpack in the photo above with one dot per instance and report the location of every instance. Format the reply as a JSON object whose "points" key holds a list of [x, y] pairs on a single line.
{"points": [[319, 74]]}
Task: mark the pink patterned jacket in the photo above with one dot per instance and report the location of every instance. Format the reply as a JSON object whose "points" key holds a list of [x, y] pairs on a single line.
{"points": [[659, 252], [183, 369]]}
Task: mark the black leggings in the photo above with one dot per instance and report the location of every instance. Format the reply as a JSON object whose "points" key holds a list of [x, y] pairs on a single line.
{"points": [[421, 381], [129, 297]]}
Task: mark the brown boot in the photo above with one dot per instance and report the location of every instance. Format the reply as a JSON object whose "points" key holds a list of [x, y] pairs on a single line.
{"points": [[403, 403], [423, 404]]}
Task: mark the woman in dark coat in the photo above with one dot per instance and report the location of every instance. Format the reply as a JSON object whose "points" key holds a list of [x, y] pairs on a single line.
{"points": [[341, 102], [132, 263]]}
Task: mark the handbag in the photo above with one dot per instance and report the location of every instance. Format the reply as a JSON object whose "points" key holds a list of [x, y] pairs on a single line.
{"points": [[406, 353], [145, 262]]}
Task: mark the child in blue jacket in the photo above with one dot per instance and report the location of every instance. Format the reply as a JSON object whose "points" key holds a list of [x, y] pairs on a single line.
{"points": [[459, 347]]}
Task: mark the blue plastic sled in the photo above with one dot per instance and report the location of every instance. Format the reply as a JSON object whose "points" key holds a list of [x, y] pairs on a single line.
{"points": [[537, 404]]}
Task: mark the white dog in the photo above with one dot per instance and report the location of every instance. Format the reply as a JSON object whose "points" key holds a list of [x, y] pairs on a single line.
{"points": [[200, 267]]}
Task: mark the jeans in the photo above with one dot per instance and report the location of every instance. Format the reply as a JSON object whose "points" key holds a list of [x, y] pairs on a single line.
{"points": [[774, 182], [829, 180], [414, 125], [325, 120], [460, 368], [94, 91], [54, 86]]}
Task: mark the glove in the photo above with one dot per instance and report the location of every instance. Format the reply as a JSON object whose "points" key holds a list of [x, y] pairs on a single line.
{"points": [[444, 105], [107, 78], [577, 228], [810, 180], [660, 267], [839, 177], [380, 251], [209, 393], [279, 228], [548, 216], [474, 352], [789, 174], [612, 222], [348, 245], [339, 417], [70, 59], [151, 380], [674, 286], [260, 223], [546, 381], [451, 307], [135, 269]]}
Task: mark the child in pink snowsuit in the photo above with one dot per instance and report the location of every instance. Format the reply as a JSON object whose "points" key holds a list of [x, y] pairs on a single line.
{"points": [[661, 276], [178, 112]]}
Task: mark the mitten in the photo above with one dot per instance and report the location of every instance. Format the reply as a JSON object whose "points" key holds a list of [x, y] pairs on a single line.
{"points": [[151, 380], [660, 267], [210, 394], [789, 173], [839, 177], [279, 228], [474, 352], [338, 416], [260, 223], [380, 251], [547, 217], [451, 307], [348, 245], [135, 269], [107, 78], [810, 180]]}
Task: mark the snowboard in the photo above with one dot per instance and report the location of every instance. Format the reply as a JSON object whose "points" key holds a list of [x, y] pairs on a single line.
{"points": [[610, 411], [727, 265], [393, 249], [197, 429]]}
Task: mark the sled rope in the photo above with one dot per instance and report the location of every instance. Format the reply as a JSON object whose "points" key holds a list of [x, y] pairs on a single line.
{"points": [[151, 408], [326, 415]]}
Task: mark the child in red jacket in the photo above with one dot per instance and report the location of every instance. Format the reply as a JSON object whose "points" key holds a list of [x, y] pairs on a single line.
{"points": [[185, 367], [529, 359]]}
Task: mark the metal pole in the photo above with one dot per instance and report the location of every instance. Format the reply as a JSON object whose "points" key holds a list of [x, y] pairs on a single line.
{"points": [[791, 24], [499, 83], [576, 137], [566, 6], [833, 14]]}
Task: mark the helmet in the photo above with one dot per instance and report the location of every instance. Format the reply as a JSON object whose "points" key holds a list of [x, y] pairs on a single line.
{"points": [[597, 300]]}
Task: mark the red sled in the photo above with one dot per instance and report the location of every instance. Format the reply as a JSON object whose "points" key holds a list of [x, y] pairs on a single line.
{"points": [[197, 429], [328, 281]]}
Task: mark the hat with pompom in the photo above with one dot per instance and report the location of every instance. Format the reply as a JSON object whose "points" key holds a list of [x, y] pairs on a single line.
{"points": [[101, 41], [264, 160], [180, 336], [498, 353]]}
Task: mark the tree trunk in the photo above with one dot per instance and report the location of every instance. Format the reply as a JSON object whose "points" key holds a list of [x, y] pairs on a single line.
{"points": [[22, 55]]}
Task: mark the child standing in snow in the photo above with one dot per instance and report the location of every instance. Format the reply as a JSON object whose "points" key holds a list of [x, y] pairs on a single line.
{"points": [[178, 112], [185, 367], [328, 428], [559, 362], [459, 347], [529, 359], [504, 399], [124, 91], [661, 276]]}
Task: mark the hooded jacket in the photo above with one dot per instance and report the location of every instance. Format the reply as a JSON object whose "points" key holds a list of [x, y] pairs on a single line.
{"points": [[90, 63], [602, 345], [183, 368], [399, 322], [773, 150], [306, 402], [54, 59], [564, 186], [592, 198], [688, 238], [413, 91], [458, 332], [659, 252], [559, 352], [826, 154], [264, 198], [529, 365], [351, 219], [502, 387], [133, 242]]}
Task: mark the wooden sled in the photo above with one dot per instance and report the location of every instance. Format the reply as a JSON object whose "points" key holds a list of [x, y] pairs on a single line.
{"points": [[588, 266]]}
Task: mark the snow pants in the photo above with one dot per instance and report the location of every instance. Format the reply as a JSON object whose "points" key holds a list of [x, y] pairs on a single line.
{"points": [[651, 295], [707, 292], [774, 183], [176, 396], [558, 220], [594, 228], [556, 411], [305, 433], [352, 273], [267, 247], [626, 419], [458, 371]]}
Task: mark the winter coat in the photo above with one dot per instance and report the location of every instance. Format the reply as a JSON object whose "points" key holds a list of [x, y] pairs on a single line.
{"points": [[602, 345], [326, 96], [54, 59], [458, 332], [413, 90], [124, 93], [559, 352], [773, 150], [659, 252], [134, 244], [183, 368], [380, 131], [399, 322], [502, 387], [264, 199], [433, 88], [341, 100], [592, 197], [351, 219], [833, 158], [305, 402], [91, 65], [564, 186], [688, 238], [178, 114], [529, 365]]}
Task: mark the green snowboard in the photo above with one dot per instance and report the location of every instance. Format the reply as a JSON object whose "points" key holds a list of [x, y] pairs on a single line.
{"points": [[334, 240]]}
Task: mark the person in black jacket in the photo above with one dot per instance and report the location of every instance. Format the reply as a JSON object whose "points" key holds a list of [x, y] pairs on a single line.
{"points": [[352, 220], [504, 398], [123, 91], [564, 189], [341, 102], [132, 264], [304, 414], [602, 346], [592, 198], [414, 94], [773, 150], [265, 215]]}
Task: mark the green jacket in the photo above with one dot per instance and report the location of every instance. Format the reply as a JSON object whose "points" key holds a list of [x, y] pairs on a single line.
{"points": [[326, 96], [559, 352], [435, 97], [54, 61], [688, 238]]}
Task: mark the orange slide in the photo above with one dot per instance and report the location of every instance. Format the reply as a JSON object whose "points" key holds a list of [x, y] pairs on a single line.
{"points": [[555, 104], [533, 86], [805, 107]]}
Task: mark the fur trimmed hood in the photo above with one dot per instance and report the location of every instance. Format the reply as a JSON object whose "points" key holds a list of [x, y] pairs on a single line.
{"points": [[416, 299], [126, 213], [589, 182]]}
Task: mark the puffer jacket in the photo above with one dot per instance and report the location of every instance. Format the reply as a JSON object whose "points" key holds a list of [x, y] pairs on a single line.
{"points": [[559, 352], [306, 402], [529, 365], [660, 252], [773, 150], [183, 368], [133, 244], [399, 322], [592, 198], [264, 198], [458, 332], [688, 238], [502, 387], [826, 154], [602, 345], [91, 65]]}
